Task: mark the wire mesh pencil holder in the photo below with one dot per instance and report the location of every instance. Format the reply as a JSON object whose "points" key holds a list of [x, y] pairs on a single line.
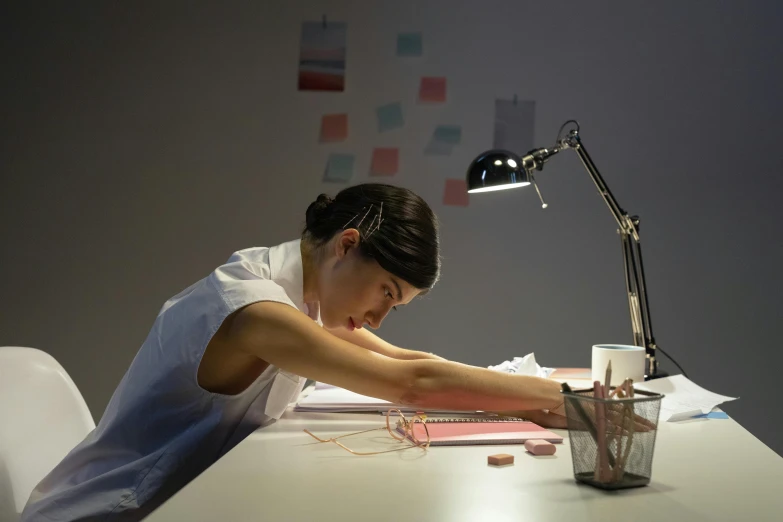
{"points": [[612, 440]]}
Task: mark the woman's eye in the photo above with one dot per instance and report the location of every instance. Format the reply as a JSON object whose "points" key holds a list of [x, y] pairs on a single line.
{"points": [[389, 295]]}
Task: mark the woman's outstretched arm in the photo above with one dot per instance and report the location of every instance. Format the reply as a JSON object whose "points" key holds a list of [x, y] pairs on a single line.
{"points": [[366, 339], [284, 337]]}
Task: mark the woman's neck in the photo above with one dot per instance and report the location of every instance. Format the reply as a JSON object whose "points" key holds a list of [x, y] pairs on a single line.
{"points": [[309, 273]]}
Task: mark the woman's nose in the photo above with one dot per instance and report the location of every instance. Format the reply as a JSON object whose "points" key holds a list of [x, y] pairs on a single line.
{"points": [[374, 319], [372, 322]]}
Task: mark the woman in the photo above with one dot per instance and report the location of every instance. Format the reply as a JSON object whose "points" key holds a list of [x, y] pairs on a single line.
{"points": [[228, 354]]}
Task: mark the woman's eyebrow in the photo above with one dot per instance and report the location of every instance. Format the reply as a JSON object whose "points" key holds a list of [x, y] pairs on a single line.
{"points": [[397, 286]]}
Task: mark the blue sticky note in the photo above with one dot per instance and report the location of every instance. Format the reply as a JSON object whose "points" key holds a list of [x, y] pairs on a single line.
{"points": [[389, 116], [438, 148], [339, 168], [409, 44], [713, 415], [451, 134]]}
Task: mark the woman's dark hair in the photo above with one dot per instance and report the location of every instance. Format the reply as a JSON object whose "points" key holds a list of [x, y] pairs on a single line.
{"points": [[406, 241]]}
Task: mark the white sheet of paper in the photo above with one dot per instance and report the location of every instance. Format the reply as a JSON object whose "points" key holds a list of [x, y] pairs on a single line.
{"points": [[526, 365], [683, 398], [326, 395]]}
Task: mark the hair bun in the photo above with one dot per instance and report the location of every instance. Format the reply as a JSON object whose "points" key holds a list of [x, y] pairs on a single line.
{"points": [[318, 209], [324, 199]]}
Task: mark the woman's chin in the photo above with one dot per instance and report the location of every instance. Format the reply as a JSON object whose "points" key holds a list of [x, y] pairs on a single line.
{"points": [[331, 324]]}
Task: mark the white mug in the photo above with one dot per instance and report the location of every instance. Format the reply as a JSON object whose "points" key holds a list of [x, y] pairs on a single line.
{"points": [[627, 362]]}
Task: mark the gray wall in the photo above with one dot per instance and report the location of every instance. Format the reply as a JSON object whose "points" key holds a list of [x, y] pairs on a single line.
{"points": [[144, 142]]}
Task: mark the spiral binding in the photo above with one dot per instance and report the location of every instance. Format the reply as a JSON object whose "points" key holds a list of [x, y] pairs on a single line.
{"points": [[504, 419]]}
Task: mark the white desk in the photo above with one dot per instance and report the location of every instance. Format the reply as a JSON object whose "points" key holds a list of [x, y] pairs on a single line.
{"points": [[281, 474]]}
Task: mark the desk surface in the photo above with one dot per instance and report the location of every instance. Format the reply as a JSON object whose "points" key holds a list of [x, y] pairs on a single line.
{"points": [[280, 473]]}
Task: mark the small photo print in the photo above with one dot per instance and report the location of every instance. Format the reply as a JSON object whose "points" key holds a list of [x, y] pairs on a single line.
{"points": [[322, 56]]}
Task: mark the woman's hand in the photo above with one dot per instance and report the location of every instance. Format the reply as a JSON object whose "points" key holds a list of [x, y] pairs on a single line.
{"points": [[553, 418], [618, 420], [547, 419]]}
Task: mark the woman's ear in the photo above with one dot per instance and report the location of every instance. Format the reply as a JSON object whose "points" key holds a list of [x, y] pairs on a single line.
{"points": [[347, 240]]}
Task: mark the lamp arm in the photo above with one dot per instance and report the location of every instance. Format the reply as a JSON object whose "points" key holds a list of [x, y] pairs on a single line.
{"points": [[573, 141], [632, 255]]}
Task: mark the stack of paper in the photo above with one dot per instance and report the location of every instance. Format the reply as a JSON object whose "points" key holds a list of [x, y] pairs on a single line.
{"points": [[331, 399], [683, 398], [328, 398]]}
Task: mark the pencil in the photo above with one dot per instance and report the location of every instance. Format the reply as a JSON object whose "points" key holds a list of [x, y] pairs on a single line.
{"points": [[622, 393], [631, 415], [615, 429], [600, 417], [585, 418]]}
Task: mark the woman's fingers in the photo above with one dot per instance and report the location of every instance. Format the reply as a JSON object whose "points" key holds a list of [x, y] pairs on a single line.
{"points": [[620, 419], [621, 415], [546, 419], [624, 422]]}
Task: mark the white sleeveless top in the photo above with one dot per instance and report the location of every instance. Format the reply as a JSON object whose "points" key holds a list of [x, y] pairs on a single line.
{"points": [[161, 429]]}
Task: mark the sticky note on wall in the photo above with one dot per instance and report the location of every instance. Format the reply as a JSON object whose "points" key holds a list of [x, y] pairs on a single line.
{"points": [[443, 140], [334, 127], [432, 89], [389, 116], [339, 168], [385, 162], [455, 193], [438, 148], [409, 44], [451, 134]]}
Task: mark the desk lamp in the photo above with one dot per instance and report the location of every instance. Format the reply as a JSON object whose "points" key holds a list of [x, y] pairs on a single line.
{"points": [[500, 169]]}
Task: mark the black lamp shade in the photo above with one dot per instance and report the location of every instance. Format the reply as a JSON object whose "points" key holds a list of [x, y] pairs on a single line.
{"points": [[496, 170]]}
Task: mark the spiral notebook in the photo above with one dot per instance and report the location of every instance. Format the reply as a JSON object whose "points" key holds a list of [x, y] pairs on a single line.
{"points": [[457, 432]]}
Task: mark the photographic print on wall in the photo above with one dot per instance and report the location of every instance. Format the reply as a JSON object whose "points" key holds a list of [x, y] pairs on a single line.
{"points": [[515, 123], [322, 56]]}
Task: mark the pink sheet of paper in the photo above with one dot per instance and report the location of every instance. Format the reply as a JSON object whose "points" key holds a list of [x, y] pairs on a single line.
{"points": [[334, 127], [476, 432], [456, 193], [385, 162], [432, 89]]}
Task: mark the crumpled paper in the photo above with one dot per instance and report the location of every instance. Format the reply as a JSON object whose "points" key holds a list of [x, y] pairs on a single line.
{"points": [[526, 365]]}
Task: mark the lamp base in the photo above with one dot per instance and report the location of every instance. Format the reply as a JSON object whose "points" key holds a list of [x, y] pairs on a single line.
{"points": [[659, 374]]}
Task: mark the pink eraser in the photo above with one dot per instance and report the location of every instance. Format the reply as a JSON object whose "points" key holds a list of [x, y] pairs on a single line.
{"points": [[540, 447]]}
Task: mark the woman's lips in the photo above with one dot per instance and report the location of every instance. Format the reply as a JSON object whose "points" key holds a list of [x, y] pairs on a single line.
{"points": [[351, 324]]}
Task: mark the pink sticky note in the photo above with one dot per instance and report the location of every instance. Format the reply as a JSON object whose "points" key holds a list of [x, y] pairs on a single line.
{"points": [[385, 162], [334, 127], [456, 193], [432, 89]]}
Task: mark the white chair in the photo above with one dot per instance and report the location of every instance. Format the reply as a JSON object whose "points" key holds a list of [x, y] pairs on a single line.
{"points": [[42, 417]]}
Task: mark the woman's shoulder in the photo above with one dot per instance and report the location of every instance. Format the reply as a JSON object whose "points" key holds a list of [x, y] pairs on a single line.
{"points": [[261, 274], [266, 262], [248, 263]]}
